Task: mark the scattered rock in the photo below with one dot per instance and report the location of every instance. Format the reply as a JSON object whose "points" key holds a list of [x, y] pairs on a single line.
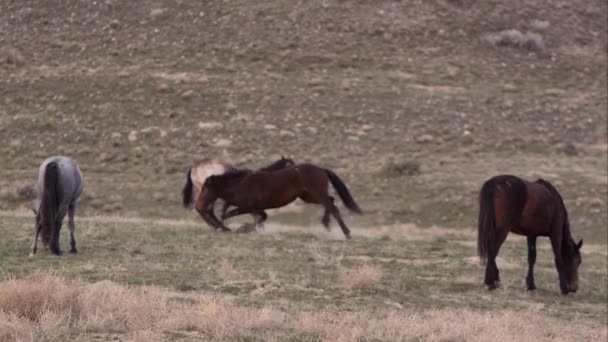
{"points": [[540, 25], [13, 56], [203, 79], [223, 142], [51, 107], [158, 196], [596, 202], [116, 139], [210, 125], [147, 113], [270, 127], [156, 12], [425, 138], [103, 157], [346, 85], [132, 137], [40, 154], [515, 38], [286, 133], [162, 87], [509, 87], [187, 95], [367, 127]]}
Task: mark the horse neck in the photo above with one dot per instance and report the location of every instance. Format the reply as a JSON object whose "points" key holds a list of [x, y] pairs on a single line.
{"points": [[274, 166]]}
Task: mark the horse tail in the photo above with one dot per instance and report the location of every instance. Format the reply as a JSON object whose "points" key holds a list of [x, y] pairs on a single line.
{"points": [[49, 204], [187, 191], [486, 223], [343, 192]]}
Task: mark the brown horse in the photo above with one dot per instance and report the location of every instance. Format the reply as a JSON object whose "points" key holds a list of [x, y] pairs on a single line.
{"points": [[207, 167], [253, 192], [508, 203]]}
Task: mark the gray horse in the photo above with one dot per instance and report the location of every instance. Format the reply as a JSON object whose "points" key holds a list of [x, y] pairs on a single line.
{"points": [[59, 186]]}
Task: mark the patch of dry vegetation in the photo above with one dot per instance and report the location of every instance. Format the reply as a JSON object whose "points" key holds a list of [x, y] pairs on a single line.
{"points": [[363, 277], [52, 308]]}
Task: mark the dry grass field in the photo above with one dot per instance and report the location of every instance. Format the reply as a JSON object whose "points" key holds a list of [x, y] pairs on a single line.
{"points": [[414, 104], [153, 280]]}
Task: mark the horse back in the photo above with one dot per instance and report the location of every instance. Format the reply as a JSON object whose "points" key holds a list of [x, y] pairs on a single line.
{"points": [[539, 211]]}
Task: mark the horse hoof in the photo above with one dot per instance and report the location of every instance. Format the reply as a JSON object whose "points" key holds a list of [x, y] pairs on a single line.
{"points": [[348, 237], [32, 255], [493, 286], [531, 288], [73, 251]]}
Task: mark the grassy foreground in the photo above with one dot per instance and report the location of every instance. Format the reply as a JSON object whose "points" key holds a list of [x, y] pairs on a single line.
{"points": [[164, 280]]}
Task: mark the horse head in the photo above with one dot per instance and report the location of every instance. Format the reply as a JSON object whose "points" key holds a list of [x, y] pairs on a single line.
{"points": [[572, 261]]}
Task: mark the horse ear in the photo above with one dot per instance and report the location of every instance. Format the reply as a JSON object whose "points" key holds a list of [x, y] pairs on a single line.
{"points": [[579, 244]]}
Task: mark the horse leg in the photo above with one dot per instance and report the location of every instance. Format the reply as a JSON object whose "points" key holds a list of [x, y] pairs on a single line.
{"points": [[556, 243], [329, 206], [71, 210], [38, 226], [325, 218], [218, 223], [234, 212], [54, 245], [262, 218], [492, 278], [531, 261]]}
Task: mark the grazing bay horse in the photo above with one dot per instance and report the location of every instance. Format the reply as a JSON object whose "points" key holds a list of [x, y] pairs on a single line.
{"points": [[253, 192], [208, 167], [59, 185], [511, 204]]}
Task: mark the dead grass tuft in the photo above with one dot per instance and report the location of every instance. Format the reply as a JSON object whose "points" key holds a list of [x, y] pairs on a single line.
{"points": [[56, 309], [364, 277]]}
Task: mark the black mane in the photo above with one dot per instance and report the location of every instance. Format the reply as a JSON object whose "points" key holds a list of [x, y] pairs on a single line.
{"points": [[230, 175]]}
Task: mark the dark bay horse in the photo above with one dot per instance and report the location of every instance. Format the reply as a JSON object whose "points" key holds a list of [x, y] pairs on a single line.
{"points": [[208, 167], [59, 185], [253, 192], [511, 204]]}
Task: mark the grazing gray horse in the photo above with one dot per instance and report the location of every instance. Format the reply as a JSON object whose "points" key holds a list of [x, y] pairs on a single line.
{"points": [[59, 186]]}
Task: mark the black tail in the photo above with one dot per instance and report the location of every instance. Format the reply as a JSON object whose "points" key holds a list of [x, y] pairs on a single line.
{"points": [[187, 191], [49, 204], [343, 192], [486, 223]]}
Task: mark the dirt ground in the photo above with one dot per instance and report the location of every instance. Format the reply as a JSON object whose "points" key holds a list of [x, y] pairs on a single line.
{"points": [[413, 103]]}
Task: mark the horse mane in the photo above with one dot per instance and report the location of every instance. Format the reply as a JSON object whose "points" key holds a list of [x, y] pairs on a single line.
{"points": [[567, 240], [230, 175], [277, 165]]}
